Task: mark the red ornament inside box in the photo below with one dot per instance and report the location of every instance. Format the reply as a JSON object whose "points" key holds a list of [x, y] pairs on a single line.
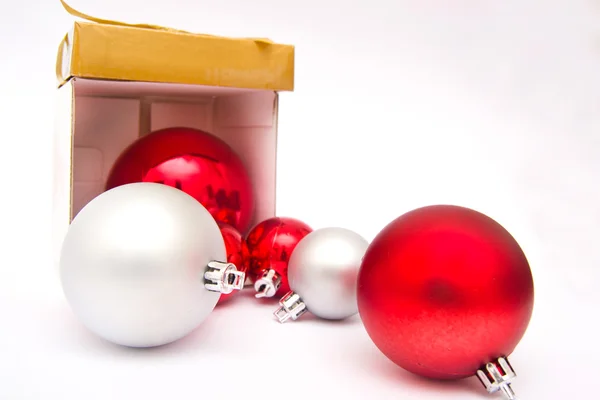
{"points": [[108, 117]]}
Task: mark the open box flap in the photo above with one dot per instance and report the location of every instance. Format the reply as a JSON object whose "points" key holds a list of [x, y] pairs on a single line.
{"points": [[104, 49]]}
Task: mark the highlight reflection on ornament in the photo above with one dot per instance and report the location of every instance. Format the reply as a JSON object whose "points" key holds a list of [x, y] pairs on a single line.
{"points": [[267, 251], [195, 162], [446, 292]]}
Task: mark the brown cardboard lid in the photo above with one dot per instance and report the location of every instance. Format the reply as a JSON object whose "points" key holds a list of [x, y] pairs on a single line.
{"points": [[111, 50]]}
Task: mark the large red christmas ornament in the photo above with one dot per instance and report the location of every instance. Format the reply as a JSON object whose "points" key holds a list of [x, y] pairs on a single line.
{"points": [[267, 250], [196, 162], [446, 292], [233, 247]]}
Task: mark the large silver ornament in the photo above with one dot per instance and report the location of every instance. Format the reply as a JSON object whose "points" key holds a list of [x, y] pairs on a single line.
{"points": [[142, 265], [323, 272]]}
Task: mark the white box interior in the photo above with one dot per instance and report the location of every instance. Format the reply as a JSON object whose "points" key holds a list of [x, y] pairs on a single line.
{"points": [[108, 116]]}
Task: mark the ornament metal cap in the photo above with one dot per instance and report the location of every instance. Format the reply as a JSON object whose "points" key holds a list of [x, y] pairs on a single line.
{"points": [[498, 376], [292, 307], [268, 284], [223, 277]]}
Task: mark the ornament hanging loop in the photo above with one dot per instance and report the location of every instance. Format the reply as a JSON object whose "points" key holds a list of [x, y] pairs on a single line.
{"points": [[223, 277], [291, 306], [498, 376], [268, 284]]}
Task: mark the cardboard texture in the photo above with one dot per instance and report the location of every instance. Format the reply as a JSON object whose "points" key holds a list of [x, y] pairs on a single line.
{"points": [[118, 82], [147, 53]]}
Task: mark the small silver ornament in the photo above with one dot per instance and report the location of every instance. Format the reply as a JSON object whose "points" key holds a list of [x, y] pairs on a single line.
{"points": [[141, 265], [323, 272]]}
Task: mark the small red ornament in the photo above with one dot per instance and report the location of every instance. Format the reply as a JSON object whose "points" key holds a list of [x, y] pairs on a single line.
{"points": [[233, 246], [446, 292], [267, 250], [196, 162]]}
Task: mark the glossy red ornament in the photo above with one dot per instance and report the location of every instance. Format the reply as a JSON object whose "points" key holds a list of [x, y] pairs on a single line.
{"points": [[443, 290], [233, 246], [267, 250], [196, 162]]}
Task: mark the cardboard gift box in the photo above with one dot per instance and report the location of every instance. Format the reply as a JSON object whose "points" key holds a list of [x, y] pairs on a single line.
{"points": [[118, 82]]}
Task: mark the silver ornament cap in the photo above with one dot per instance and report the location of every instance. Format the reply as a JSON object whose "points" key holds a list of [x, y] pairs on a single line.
{"points": [[223, 277], [323, 273], [291, 306], [268, 284], [141, 265], [498, 376]]}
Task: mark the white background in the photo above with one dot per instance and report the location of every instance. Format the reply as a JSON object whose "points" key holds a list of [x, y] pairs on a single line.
{"points": [[488, 104]]}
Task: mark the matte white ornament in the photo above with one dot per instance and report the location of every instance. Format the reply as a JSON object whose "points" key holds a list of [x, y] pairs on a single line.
{"points": [[143, 265], [323, 273]]}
